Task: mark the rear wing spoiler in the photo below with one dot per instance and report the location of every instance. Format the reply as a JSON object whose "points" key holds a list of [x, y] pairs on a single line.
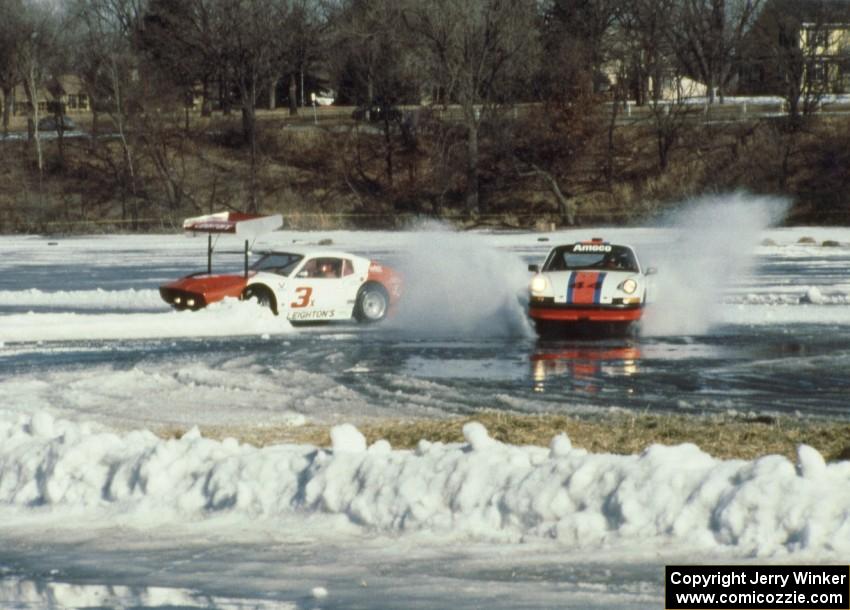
{"points": [[233, 223], [247, 226]]}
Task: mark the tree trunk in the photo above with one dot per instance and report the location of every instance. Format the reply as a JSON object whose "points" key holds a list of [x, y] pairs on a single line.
{"points": [[60, 133], [94, 126], [388, 143], [611, 149], [205, 99], [293, 95], [472, 182], [224, 96], [273, 94], [665, 141], [370, 95], [566, 206], [7, 108], [32, 123], [248, 92]]}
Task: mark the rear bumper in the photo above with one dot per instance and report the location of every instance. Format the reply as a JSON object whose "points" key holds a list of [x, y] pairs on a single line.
{"points": [[572, 313]]}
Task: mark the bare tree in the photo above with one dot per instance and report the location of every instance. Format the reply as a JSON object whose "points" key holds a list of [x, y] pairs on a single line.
{"points": [[11, 32], [645, 46], [795, 52], [371, 52], [37, 49], [250, 33], [109, 29], [184, 41], [551, 139], [579, 34], [371, 58], [709, 39], [474, 50], [305, 32]]}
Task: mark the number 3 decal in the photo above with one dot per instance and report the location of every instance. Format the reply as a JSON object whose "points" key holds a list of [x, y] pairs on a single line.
{"points": [[304, 293]]}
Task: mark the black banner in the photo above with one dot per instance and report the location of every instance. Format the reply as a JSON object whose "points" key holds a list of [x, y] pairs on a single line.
{"points": [[748, 587]]}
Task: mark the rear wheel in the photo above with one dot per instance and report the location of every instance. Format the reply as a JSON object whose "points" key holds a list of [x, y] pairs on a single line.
{"points": [[262, 295], [372, 305]]}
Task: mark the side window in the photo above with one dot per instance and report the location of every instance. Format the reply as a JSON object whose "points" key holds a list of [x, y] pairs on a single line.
{"points": [[322, 268], [347, 268], [309, 269], [329, 267]]}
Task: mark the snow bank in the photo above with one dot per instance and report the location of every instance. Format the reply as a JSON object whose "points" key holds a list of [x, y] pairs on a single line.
{"points": [[129, 299], [806, 296], [481, 489], [226, 318], [31, 594], [783, 314]]}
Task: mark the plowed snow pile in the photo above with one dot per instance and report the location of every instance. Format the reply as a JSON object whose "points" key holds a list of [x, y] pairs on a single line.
{"points": [[75, 474]]}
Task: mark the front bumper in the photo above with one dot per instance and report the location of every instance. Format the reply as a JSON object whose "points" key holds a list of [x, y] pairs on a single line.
{"points": [[551, 312], [182, 299]]}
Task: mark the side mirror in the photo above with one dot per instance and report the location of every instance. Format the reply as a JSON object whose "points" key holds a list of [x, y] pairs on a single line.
{"points": [[303, 273], [651, 271], [534, 268]]}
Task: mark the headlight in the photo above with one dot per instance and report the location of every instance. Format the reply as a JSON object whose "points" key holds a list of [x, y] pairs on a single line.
{"points": [[629, 286], [177, 300], [190, 302], [539, 283]]}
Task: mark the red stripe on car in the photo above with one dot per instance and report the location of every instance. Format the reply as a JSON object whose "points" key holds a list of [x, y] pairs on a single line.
{"points": [[583, 284]]}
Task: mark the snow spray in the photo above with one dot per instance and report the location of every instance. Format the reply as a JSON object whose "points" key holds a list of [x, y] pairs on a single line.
{"points": [[711, 245], [457, 285]]}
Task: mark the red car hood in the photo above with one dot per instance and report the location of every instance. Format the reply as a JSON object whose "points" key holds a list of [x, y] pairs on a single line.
{"points": [[210, 288]]}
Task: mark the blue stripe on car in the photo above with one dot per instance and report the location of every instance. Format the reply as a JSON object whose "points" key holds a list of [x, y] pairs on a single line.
{"points": [[570, 285], [597, 292]]}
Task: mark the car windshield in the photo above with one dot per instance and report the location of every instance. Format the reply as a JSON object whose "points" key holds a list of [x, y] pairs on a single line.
{"points": [[282, 263], [591, 256]]}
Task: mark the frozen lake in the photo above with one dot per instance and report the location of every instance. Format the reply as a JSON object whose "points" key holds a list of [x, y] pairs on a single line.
{"points": [[84, 315], [746, 319]]}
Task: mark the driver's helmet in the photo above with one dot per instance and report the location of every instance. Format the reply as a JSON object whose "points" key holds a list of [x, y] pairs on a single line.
{"points": [[326, 269], [617, 261]]}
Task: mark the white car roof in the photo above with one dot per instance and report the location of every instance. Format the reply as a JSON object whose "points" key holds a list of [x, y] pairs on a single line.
{"points": [[591, 243], [314, 252]]}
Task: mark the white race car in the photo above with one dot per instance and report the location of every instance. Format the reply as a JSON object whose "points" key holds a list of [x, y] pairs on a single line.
{"points": [[302, 284], [591, 285]]}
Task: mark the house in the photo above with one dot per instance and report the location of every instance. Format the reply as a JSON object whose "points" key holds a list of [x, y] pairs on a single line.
{"points": [[71, 91], [828, 43], [799, 45], [67, 89]]}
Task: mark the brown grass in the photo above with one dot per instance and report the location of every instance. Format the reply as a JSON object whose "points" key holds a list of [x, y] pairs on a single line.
{"points": [[721, 436]]}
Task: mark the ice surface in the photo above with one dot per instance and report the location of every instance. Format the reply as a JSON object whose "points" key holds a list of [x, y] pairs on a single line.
{"points": [[70, 462]]}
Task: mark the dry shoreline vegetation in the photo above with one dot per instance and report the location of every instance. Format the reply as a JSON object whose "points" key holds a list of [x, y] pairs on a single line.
{"points": [[722, 436], [335, 174]]}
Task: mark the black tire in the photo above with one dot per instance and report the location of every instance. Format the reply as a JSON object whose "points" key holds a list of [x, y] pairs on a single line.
{"points": [[262, 295], [373, 303]]}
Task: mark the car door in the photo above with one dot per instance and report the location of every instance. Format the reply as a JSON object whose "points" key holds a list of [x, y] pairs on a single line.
{"points": [[317, 291]]}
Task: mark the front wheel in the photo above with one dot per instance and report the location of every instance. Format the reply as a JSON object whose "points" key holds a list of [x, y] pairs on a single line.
{"points": [[262, 295], [372, 304]]}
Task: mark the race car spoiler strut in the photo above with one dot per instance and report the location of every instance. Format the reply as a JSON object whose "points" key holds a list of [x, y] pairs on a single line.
{"points": [[249, 226]]}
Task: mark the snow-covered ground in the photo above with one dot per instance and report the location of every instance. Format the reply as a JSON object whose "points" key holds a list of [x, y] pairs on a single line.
{"points": [[95, 510]]}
